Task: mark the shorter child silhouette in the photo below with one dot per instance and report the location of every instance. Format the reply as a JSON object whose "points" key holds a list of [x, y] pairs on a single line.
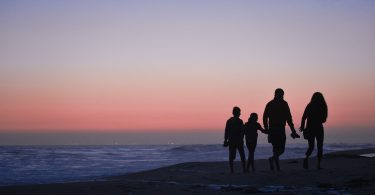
{"points": [[251, 135]]}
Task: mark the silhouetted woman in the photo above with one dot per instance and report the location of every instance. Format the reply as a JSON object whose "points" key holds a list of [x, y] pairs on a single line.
{"points": [[251, 136], [316, 113]]}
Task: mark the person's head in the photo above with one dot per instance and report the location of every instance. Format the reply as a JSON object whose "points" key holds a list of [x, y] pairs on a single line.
{"points": [[253, 117], [319, 104], [236, 111], [318, 98], [279, 93]]}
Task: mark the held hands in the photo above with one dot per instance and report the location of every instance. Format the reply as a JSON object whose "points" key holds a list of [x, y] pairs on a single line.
{"points": [[294, 134], [301, 129], [264, 131], [226, 143]]}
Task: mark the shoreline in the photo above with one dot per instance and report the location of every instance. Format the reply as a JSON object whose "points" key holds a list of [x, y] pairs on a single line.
{"points": [[343, 172]]}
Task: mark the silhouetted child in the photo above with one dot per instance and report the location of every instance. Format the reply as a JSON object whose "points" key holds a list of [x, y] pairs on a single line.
{"points": [[251, 136], [234, 133]]}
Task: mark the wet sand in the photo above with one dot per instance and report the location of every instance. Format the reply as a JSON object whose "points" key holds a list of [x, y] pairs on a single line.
{"points": [[343, 172]]}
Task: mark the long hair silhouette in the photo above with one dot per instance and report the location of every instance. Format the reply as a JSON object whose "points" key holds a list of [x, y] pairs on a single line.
{"points": [[316, 113], [319, 106]]}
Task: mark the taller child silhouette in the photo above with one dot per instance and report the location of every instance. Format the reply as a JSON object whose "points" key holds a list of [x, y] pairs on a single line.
{"points": [[275, 117], [234, 134]]}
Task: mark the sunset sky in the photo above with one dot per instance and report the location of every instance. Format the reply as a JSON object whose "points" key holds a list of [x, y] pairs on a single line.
{"points": [[180, 66]]}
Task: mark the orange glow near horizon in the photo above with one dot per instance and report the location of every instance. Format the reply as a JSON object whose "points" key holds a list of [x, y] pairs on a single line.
{"points": [[176, 109], [141, 65]]}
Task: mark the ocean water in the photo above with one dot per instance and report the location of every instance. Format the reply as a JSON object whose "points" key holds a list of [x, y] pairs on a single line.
{"points": [[51, 164]]}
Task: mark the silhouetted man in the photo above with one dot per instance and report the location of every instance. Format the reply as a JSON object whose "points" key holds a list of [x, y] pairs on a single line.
{"points": [[234, 134], [275, 117]]}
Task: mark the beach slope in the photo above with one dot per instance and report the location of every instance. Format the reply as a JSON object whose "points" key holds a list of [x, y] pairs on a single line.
{"points": [[343, 172]]}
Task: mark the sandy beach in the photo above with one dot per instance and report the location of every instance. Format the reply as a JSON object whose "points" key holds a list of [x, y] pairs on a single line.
{"points": [[343, 172]]}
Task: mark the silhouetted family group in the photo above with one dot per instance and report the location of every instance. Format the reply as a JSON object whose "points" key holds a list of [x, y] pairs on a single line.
{"points": [[275, 117]]}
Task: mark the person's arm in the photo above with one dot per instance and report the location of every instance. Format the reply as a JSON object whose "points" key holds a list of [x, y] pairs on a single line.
{"points": [[226, 132], [265, 117], [304, 117], [260, 128], [290, 123], [289, 119], [242, 130], [325, 114]]}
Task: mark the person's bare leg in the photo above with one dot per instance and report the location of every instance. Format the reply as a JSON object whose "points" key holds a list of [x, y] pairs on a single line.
{"points": [[243, 159], [280, 147], [319, 143], [277, 163], [252, 165], [308, 152], [270, 160], [231, 166], [248, 162]]}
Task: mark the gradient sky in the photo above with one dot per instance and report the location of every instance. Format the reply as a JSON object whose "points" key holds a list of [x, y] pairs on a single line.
{"points": [[129, 66]]}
